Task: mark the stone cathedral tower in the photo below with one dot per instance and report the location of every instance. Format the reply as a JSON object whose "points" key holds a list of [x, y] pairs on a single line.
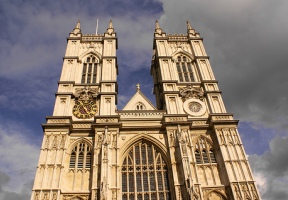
{"points": [[187, 147]]}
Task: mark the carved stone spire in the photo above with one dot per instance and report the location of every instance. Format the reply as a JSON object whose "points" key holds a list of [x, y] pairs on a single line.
{"points": [[110, 24], [77, 29], [78, 25], [158, 30], [110, 28], [190, 30]]}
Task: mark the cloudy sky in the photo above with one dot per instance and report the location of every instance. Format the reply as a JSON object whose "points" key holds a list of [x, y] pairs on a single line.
{"points": [[246, 41]]}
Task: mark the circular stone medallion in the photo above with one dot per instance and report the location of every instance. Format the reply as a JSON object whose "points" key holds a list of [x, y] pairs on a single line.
{"points": [[194, 107]]}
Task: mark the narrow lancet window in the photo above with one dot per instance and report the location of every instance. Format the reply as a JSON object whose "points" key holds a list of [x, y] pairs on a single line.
{"points": [[89, 72], [184, 69]]}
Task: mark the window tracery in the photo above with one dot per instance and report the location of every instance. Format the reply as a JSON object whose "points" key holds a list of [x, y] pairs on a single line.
{"points": [[140, 106], [89, 72], [80, 156], [144, 174], [184, 69], [204, 152]]}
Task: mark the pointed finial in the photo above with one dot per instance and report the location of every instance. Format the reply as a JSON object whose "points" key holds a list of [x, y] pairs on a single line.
{"points": [[158, 30], [190, 30], [77, 29], [188, 25], [110, 24], [78, 24], [110, 28], [138, 87], [157, 25]]}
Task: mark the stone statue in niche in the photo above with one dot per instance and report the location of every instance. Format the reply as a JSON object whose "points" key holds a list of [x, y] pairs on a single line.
{"points": [[172, 139], [62, 142], [106, 136], [55, 142], [103, 189], [99, 141], [114, 141]]}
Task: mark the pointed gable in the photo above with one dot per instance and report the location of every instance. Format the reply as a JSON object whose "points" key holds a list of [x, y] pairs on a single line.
{"points": [[139, 102]]}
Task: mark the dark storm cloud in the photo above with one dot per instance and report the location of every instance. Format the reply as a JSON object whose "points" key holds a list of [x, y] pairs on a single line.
{"points": [[247, 42], [7, 195]]}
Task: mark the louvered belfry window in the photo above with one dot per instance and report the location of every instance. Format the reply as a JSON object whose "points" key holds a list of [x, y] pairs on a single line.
{"points": [[80, 156], [89, 72], [144, 174], [184, 69], [204, 152]]}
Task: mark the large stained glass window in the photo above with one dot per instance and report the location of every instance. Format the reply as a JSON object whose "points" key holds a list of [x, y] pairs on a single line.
{"points": [[144, 174]]}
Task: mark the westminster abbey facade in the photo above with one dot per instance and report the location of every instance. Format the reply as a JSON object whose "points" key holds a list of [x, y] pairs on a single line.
{"points": [[185, 147]]}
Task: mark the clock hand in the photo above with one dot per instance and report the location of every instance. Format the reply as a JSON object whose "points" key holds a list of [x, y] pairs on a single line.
{"points": [[83, 106], [85, 109]]}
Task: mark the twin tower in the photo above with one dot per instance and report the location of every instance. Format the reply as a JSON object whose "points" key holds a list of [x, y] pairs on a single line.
{"points": [[186, 147]]}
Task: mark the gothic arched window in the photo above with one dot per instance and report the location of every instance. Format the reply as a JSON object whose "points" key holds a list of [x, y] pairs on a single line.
{"points": [[80, 156], [204, 152], [144, 174], [89, 72], [184, 69]]}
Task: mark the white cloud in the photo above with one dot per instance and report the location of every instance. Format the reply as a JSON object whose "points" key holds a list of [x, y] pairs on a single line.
{"points": [[18, 157], [270, 170]]}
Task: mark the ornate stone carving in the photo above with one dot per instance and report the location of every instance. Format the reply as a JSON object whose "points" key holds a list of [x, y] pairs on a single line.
{"points": [[58, 121], [191, 92], [237, 192], [245, 191], [75, 197], [173, 119], [114, 141], [36, 196], [81, 125], [253, 190], [54, 196], [55, 142], [141, 115], [45, 196], [86, 93], [107, 120], [47, 142], [62, 142]]}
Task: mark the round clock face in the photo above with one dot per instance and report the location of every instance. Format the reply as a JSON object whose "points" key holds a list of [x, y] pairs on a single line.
{"points": [[85, 109], [194, 107]]}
